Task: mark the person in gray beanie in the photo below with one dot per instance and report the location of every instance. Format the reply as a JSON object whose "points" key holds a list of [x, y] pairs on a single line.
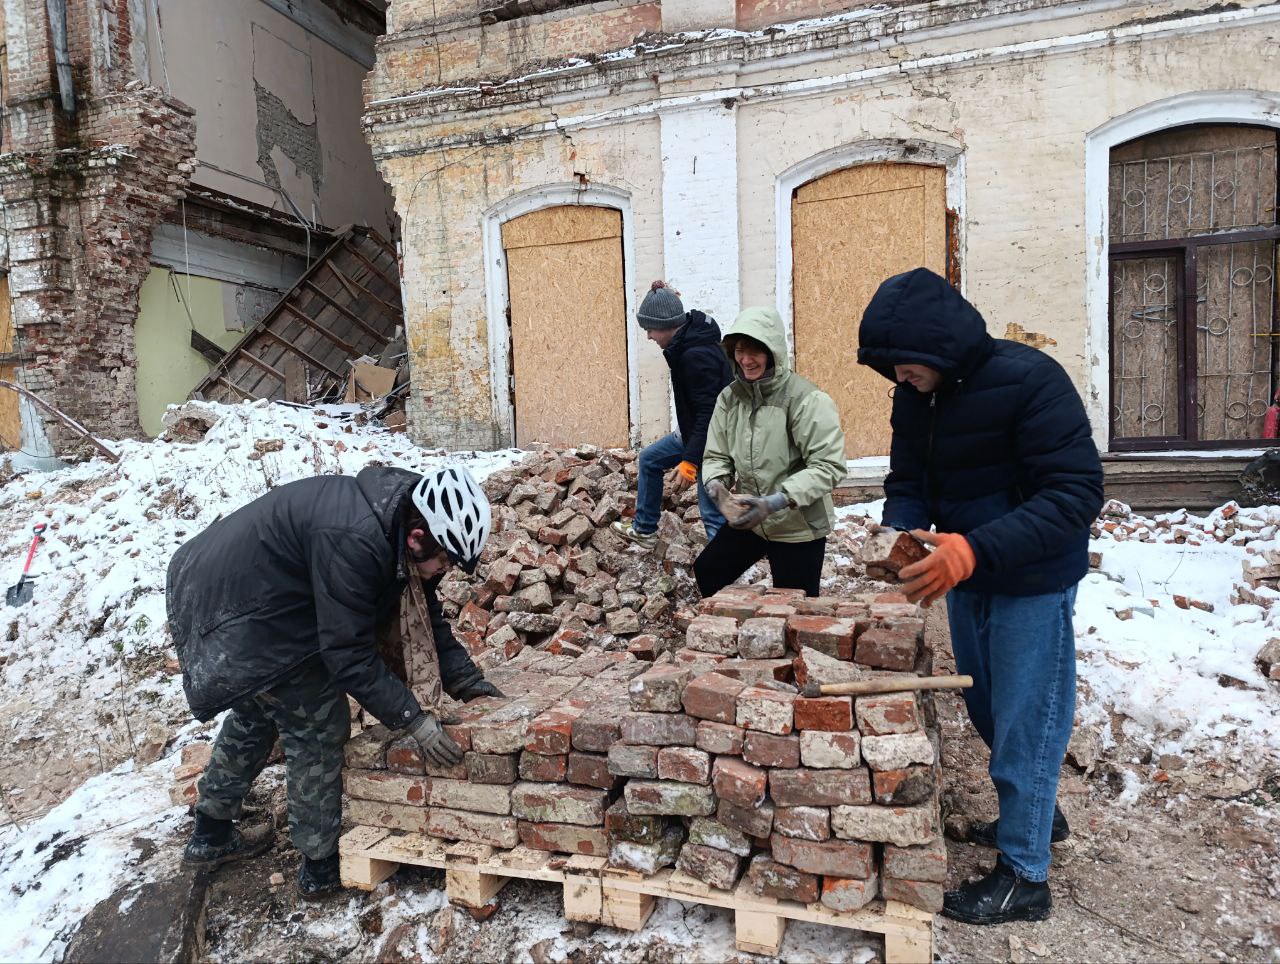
{"points": [[690, 342]]}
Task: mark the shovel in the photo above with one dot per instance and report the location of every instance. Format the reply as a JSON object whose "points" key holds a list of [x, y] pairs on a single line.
{"points": [[19, 594]]}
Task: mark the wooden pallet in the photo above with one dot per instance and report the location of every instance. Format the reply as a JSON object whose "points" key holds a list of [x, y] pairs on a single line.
{"points": [[598, 894]]}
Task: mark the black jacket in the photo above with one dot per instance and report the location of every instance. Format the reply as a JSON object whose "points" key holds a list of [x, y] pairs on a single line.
{"points": [[312, 568], [699, 372], [1001, 452]]}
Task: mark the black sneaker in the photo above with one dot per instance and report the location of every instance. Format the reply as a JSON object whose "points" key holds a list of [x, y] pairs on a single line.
{"points": [[318, 877], [998, 898], [985, 833], [215, 842]]}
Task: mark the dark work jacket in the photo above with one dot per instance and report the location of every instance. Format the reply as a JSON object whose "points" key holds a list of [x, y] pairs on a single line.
{"points": [[699, 371], [1001, 453], [312, 568]]}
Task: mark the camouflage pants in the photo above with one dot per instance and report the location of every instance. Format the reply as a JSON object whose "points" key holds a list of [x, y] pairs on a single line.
{"points": [[314, 721]]}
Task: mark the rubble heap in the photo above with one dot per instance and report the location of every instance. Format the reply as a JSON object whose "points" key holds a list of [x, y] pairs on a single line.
{"points": [[708, 758], [554, 574]]}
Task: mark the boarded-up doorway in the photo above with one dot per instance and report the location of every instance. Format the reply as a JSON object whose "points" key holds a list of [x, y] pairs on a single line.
{"points": [[10, 416], [568, 326], [850, 230]]}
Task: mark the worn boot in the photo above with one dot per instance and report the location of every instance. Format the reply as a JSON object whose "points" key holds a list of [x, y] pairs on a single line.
{"points": [[626, 529], [318, 877], [998, 898], [985, 833], [215, 842]]}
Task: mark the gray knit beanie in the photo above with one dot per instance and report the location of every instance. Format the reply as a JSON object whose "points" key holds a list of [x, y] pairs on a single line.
{"points": [[661, 308]]}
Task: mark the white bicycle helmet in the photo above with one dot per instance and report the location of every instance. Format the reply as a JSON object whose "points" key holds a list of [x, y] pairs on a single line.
{"points": [[457, 513]]}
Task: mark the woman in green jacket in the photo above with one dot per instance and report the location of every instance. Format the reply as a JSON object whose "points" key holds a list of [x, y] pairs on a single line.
{"points": [[774, 454]]}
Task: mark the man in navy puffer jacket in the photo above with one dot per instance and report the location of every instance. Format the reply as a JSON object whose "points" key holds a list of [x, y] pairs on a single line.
{"points": [[992, 447]]}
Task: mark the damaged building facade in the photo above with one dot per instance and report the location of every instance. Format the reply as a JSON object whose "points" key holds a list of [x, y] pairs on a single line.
{"points": [[167, 171], [1098, 177]]}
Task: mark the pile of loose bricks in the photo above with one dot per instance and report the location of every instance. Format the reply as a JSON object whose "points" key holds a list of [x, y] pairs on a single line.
{"points": [[706, 758]]}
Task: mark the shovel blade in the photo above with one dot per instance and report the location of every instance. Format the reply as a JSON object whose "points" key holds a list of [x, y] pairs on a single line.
{"points": [[19, 594]]}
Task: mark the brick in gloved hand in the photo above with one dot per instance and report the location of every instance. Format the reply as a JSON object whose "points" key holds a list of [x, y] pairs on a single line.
{"points": [[437, 746]]}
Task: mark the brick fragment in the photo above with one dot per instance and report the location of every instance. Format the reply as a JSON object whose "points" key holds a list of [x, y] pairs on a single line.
{"points": [[462, 795], [904, 826], [886, 649], [709, 832], [755, 822], [768, 878], [659, 729], [888, 551], [762, 638], [543, 768], [897, 751], [564, 838], [718, 868], [766, 709], [840, 858], [590, 770], [829, 713], [669, 798], [738, 782], [685, 764], [713, 634], [719, 738], [633, 761], [496, 831], [805, 823], [647, 858], [926, 862], [713, 696], [904, 788], [828, 635], [494, 768], [660, 689], [923, 894], [887, 713], [621, 824], [385, 787], [556, 803], [830, 750], [770, 750], [849, 894], [818, 668], [819, 788]]}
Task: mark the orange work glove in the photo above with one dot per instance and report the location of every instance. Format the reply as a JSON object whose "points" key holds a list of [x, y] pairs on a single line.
{"points": [[950, 563], [682, 476]]}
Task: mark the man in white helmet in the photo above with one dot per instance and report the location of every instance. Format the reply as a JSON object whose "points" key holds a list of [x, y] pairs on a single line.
{"points": [[276, 611]]}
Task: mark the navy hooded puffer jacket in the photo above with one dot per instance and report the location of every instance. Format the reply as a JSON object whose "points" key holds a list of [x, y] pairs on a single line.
{"points": [[1001, 453]]}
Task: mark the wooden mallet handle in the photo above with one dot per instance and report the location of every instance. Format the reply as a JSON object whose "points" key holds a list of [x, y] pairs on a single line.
{"points": [[895, 684]]}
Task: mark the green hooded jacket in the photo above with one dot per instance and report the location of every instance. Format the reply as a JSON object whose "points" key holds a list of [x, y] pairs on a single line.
{"points": [[777, 434]]}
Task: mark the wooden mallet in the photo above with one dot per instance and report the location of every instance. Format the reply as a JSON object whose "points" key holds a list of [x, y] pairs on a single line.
{"points": [[886, 684]]}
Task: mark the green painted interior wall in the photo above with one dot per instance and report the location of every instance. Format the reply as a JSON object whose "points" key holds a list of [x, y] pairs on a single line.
{"points": [[168, 367]]}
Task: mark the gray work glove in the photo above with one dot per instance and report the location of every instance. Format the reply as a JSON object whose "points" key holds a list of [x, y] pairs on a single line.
{"points": [[437, 745], [754, 509]]}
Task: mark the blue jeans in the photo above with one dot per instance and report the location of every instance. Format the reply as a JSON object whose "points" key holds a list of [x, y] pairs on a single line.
{"points": [[655, 460], [1021, 653]]}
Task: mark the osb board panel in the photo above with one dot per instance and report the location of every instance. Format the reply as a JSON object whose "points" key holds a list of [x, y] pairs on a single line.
{"points": [[563, 224], [10, 417], [568, 337], [851, 230]]}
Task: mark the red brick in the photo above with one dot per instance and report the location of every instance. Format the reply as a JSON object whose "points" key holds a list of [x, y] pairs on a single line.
{"points": [[830, 713], [542, 768], [739, 783], [590, 770], [472, 618], [719, 868], [713, 696], [806, 823], [621, 824], [659, 689], [813, 667], [904, 788], [553, 803], [927, 862], [828, 635], [494, 768], [768, 878], [825, 750], [816, 606], [685, 764], [886, 649], [755, 822], [840, 858], [496, 831], [598, 728], [888, 551], [386, 787], [887, 713], [565, 838], [405, 756], [550, 733], [713, 634], [819, 788], [763, 708], [625, 760], [719, 738], [923, 894], [659, 729], [847, 895], [752, 671], [769, 750]]}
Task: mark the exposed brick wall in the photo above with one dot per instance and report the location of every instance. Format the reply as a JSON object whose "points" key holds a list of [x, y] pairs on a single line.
{"points": [[754, 14]]}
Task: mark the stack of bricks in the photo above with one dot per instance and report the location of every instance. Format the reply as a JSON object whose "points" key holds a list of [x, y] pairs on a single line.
{"points": [[707, 759]]}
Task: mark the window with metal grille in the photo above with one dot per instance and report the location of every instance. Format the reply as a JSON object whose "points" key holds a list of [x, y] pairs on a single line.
{"points": [[1193, 237]]}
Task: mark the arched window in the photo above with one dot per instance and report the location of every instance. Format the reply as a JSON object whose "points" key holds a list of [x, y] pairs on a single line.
{"points": [[1193, 233]]}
